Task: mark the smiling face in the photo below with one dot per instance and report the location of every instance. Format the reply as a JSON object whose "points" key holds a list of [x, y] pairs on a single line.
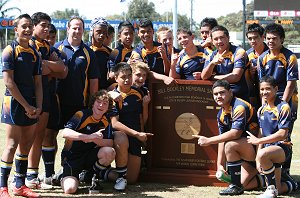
{"points": [[166, 37], [124, 80], [75, 32], [139, 77], [100, 107], [255, 39], [220, 40], [126, 37], [185, 40], [222, 96], [146, 34], [267, 91], [24, 30]]}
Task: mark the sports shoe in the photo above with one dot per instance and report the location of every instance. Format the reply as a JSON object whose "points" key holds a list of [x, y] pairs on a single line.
{"points": [[270, 192], [24, 191], [121, 184], [96, 185], [37, 184], [56, 178], [285, 176], [232, 190], [4, 192]]}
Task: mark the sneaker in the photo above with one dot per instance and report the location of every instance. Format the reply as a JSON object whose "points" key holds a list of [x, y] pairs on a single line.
{"points": [[270, 192], [33, 183], [232, 190], [285, 176], [96, 185], [4, 192], [56, 178], [24, 191], [121, 184]]}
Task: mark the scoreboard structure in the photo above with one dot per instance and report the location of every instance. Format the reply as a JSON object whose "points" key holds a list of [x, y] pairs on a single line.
{"points": [[276, 8]]}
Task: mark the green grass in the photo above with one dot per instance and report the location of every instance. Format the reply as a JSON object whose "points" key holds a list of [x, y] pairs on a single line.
{"points": [[158, 189]]}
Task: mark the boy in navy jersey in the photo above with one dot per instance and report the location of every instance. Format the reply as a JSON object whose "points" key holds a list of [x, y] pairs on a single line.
{"points": [[273, 143], [235, 117]]}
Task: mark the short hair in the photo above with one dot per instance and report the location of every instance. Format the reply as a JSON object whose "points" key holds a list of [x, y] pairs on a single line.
{"points": [[145, 22], [52, 29], [102, 95], [123, 25], [184, 31], [17, 20], [162, 29], [121, 67], [255, 28], [207, 21], [110, 29], [76, 18], [221, 83], [275, 28], [220, 28], [140, 65], [268, 79], [39, 16]]}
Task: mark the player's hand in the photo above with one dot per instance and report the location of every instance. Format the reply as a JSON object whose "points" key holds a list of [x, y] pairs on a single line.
{"points": [[146, 98], [32, 112], [45, 68], [97, 137], [174, 57], [115, 96], [251, 139], [218, 58], [221, 168], [197, 75], [207, 42], [142, 136], [252, 69], [202, 140], [168, 80], [258, 167], [54, 56]]}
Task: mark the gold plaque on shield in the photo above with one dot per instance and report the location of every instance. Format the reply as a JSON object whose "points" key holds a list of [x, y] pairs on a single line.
{"points": [[186, 125]]}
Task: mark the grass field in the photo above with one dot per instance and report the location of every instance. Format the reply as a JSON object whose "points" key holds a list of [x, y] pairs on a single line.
{"points": [[157, 190]]}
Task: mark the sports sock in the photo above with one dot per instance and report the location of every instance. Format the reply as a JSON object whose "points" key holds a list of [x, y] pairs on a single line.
{"points": [[5, 171], [21, 162], [100, 169], [48, 154], [270, 175], [234, 169], [121, 171]]}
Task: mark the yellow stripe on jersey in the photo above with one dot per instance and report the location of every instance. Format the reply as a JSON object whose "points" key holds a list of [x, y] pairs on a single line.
{"points": [[280, 57], [20, 49], [85, 90], [239, 111], [90, 120], [187, 57]]}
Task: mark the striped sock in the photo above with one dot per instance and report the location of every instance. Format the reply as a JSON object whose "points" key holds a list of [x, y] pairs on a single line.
{"points": [[5, 171]]}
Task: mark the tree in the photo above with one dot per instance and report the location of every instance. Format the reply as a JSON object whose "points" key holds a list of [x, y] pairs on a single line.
{"points": [[66, 15], [142, 9]]}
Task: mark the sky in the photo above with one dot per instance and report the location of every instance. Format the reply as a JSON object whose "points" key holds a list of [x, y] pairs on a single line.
{"points": [[95, 8]]}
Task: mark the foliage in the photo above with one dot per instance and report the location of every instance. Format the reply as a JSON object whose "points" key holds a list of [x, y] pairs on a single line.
{"points": [[142, 9]]}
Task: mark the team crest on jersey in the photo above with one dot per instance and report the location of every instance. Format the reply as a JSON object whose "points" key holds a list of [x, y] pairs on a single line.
{"points": [[262, 117], [81, 57], [88, 128], [125, 104], [267, 66], [185, 65], [20, 58]]}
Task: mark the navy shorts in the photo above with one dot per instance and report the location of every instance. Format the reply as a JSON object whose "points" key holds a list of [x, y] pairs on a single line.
{"points": [[74, 163], [135, 146], [13, 112], [66, 113], [54, 114]]}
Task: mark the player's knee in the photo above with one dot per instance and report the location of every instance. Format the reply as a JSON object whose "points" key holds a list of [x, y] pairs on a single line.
{"points": [[230, 146], [69, 185], [106, 155], [261, 155], [120, 140]]}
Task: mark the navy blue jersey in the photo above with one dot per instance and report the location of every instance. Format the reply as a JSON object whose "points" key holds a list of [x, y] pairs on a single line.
{"points": [[187, 65], [130, 109], [83, 122], [234, 58], [25, 62], [102, 54], [273, 119], [151, 57], [241, 116], [119, 54], [283, 67], [74, 89]]}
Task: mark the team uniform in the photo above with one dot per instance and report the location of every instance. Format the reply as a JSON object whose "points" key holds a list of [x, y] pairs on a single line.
{"points": [[25, 63], [208, 49], [129, 111], [187, 65], [78, 155], [283, 68], [273, 119], [43, 48], [241, 116], [119, 54], [73, 90], [240, 88], [151, 57], [252, 81], [102, 57]]}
